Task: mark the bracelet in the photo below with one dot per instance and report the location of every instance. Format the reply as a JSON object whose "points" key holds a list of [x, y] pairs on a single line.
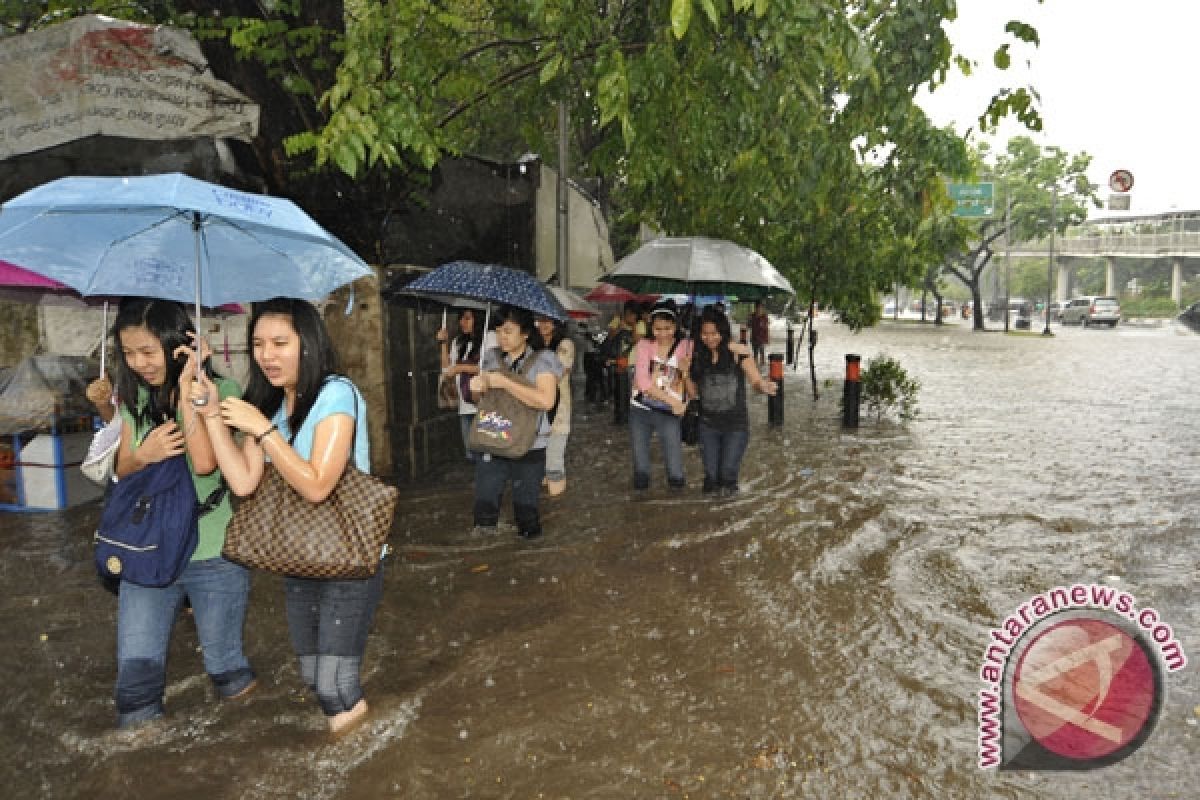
{"points": [[258, 439]]}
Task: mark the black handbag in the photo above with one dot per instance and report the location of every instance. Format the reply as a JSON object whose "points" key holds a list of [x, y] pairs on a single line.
{"points": [[689, 426]]}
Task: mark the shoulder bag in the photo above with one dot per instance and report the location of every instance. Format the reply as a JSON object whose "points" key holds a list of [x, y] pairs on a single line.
{"points": [[503, 425], [342, 537]]}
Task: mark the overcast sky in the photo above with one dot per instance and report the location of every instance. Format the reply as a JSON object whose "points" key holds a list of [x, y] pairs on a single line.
{"points": [[1116, 79]]}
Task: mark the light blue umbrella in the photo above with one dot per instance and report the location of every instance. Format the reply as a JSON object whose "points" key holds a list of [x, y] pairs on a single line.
{"points": [[489, 283], [173, 237]]}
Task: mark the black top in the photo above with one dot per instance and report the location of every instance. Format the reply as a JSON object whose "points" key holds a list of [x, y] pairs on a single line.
{"points": [[722, 388]]}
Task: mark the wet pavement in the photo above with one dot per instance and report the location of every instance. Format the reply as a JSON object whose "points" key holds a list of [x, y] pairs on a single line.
{"points": [[819, 635]]}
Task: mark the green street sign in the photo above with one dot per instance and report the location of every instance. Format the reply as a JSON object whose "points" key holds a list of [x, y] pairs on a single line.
{"points": [[972, 199]]}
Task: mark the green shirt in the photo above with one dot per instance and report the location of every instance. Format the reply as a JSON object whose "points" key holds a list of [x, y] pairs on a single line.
{"points": [[212, 524]]}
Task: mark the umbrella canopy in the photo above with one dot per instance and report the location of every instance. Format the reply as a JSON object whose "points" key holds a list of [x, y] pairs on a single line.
{"points": [[608, 293], [490, 283], [576, 306], [173, 237], [14, 277], [699, 265]]}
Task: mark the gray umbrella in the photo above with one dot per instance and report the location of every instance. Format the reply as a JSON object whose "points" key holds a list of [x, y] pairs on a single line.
{"points": [[698, 265]]}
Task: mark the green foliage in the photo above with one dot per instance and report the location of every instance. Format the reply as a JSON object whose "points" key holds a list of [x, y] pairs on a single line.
{"points": [[790, 126], [1148, 307], [1027, 177], [887, 388]]}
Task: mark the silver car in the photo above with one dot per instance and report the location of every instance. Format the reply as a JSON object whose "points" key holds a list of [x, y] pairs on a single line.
{"points": [[1092, 310]]}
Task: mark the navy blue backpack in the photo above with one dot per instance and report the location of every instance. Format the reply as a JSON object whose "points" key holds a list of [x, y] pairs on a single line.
{"points": [[149, 527]]}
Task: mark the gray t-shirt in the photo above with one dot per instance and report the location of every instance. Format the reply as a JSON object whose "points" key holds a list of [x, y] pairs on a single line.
{"points": [[543, 361]]}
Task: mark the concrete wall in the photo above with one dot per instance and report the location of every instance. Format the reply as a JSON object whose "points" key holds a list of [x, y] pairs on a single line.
{"points": [[357, 330], [589, 250]]}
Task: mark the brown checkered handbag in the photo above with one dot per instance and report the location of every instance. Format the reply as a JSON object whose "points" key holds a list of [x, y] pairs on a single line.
{"points": [[277, 530], [342, 537]]}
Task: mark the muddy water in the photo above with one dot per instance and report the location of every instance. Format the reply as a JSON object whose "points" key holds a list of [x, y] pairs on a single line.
{"points": [[818, 636]]}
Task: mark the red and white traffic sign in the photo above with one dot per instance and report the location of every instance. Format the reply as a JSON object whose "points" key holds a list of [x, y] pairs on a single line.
{"points": [[1121, 180]]}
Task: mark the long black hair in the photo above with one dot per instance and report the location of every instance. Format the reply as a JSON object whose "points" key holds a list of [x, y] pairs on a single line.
{"points": [[474, 339], [711, 315], [318, 359], [557, 334], [169, 323]]}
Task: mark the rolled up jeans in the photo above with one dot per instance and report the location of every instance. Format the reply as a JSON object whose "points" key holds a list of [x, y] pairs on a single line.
{"points": [[329, 621], [218, 591]]}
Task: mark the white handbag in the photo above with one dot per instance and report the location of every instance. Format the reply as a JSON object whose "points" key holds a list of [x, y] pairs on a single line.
{"points": [[101, 456]]}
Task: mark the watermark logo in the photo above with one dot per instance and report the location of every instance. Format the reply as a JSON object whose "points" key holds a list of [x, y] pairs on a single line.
{"points": [[1073, 680]]}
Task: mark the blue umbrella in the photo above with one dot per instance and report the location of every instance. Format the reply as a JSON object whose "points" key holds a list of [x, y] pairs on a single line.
{"points": [[490, 283], [173, 237]]}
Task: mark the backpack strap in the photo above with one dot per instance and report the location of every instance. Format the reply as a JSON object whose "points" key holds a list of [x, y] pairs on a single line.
{"points": [[213, 500]]}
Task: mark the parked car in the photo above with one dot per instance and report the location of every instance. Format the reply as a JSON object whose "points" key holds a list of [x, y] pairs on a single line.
{"points": [[1092, 310], [1057, 309], [1018, 308]]}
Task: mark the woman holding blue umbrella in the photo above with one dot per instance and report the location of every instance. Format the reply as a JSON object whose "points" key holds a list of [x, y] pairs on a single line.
{"points": [[308, 422], [154, 371], [460, 361], [518, 351]]}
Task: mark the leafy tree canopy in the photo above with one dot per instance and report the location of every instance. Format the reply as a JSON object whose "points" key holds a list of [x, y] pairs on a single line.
{"points": [[787, 125]]}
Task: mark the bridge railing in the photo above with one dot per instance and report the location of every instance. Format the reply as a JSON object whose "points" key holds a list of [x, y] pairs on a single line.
{"points": [[1181, 243]]}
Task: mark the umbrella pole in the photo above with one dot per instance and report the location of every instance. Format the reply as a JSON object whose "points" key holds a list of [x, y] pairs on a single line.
{"points": [[104, 339], [196, 240]]}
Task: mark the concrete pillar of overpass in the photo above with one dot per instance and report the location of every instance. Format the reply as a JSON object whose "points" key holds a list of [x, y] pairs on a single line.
{"points": [[1062, 292], [1177, 281], [1110, 275]]}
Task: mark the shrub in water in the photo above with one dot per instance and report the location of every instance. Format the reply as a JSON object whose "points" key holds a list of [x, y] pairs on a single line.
{"points": [[887, 388]]}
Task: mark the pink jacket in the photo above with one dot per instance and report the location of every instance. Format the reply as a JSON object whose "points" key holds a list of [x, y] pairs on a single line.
{"points": [[645, 353]]}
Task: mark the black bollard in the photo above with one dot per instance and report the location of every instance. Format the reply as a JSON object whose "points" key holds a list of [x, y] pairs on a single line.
{"points": [[851, 392], [775, 404], [791, 346], [621, 391]]}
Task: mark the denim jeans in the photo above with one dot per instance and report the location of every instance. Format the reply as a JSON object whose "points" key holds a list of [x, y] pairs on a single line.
{"points": [[464, 424], [556, 457], [526, 472], [722, 453], [329, 621], [644, 423], [218, 590]]}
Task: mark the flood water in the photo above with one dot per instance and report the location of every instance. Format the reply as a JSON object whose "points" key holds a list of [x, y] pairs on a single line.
{"points": [[818, 636]]}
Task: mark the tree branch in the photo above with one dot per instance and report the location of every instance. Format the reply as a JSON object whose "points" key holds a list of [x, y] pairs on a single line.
{"points": [[522, 72]]}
